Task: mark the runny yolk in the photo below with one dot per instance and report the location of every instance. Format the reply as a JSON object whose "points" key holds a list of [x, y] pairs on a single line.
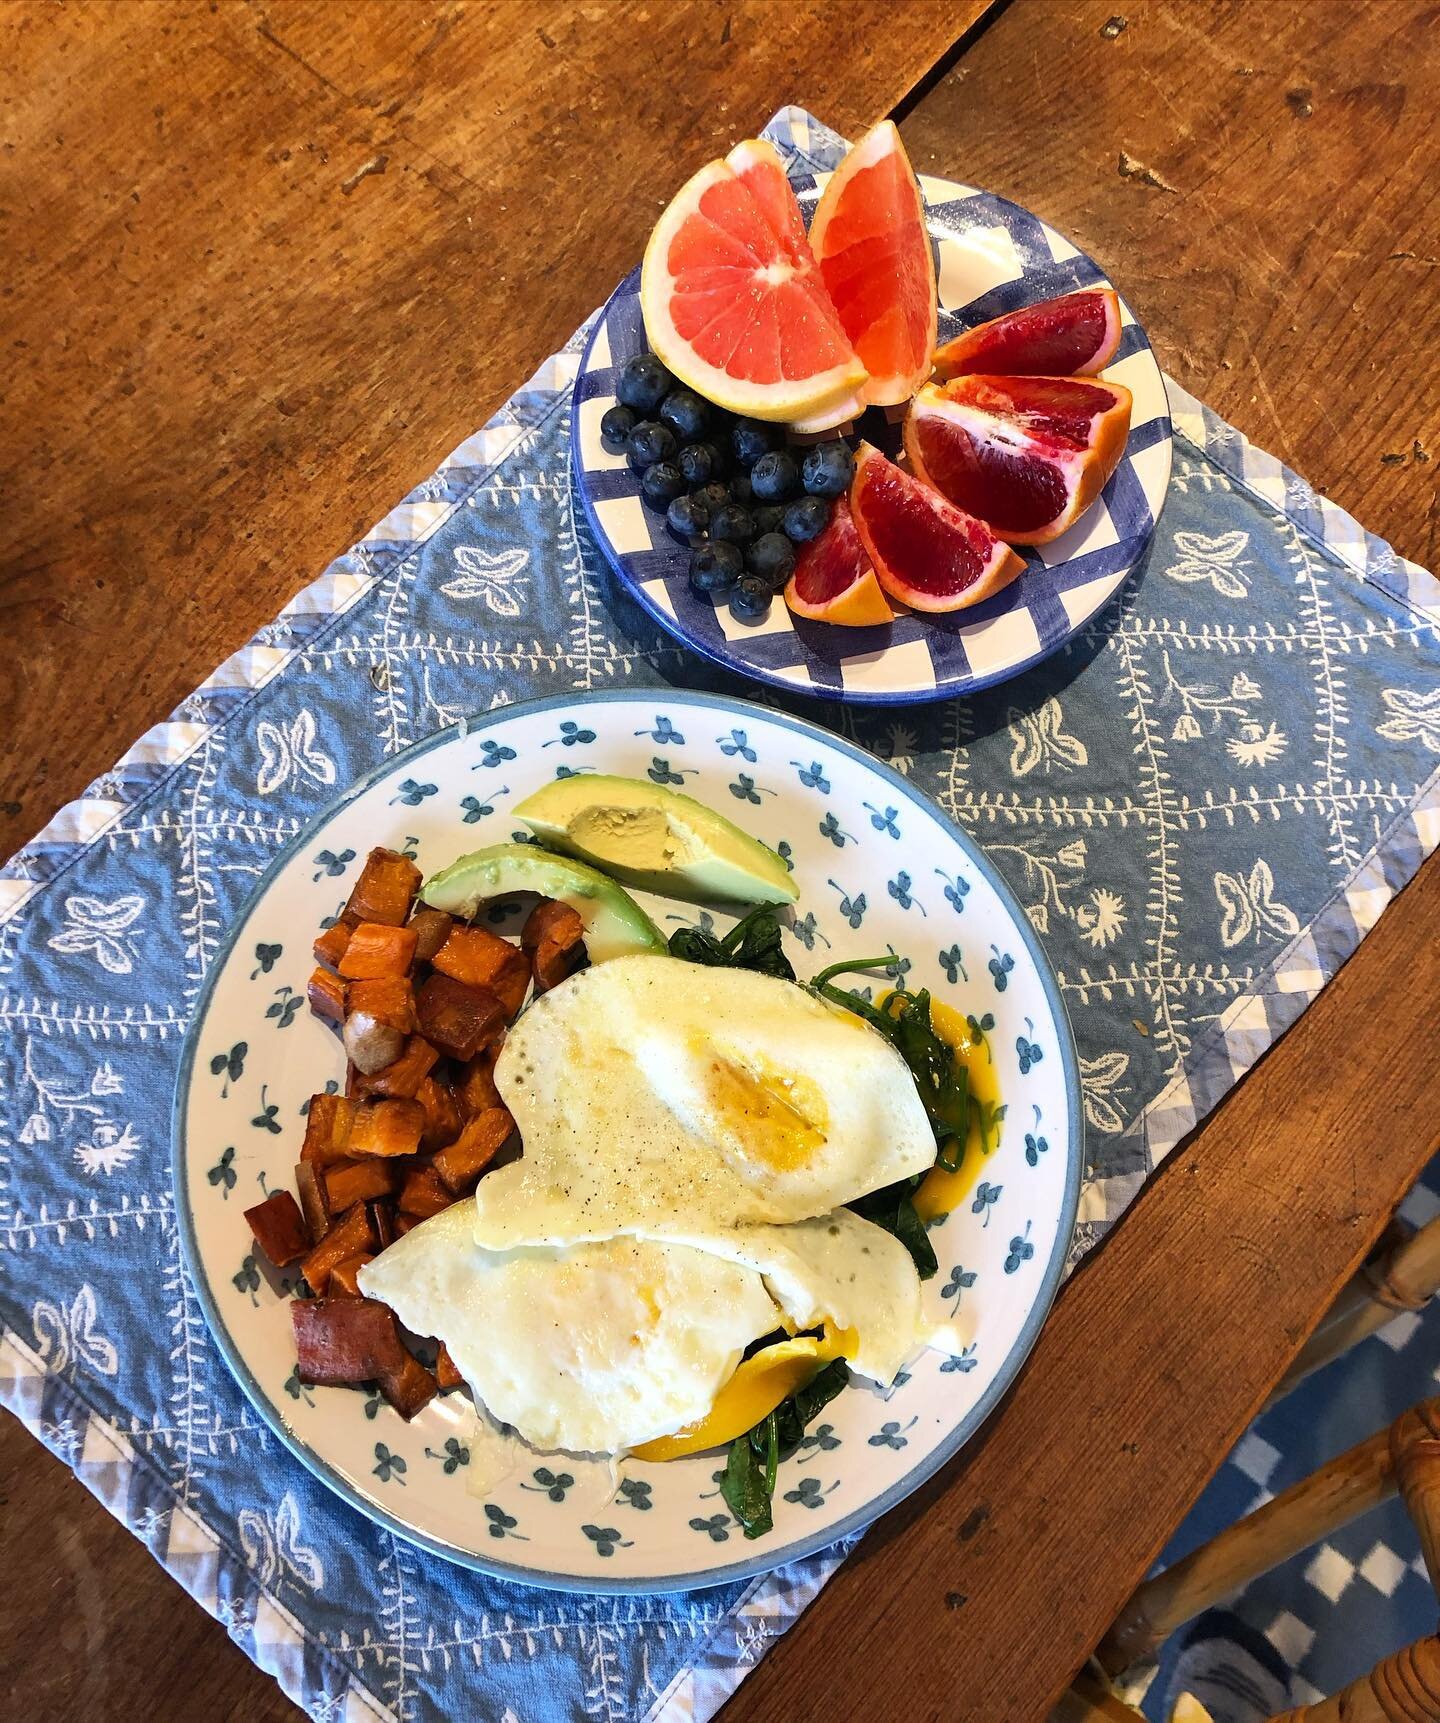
{"points": [[943, 1191], [777, 1118]]}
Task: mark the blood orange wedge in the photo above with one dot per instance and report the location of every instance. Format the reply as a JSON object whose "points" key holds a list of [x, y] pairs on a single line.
{"points": [[1026, 455], [870, 240], [925, 551], [732, 299], [833, 580], [1075, 336]]}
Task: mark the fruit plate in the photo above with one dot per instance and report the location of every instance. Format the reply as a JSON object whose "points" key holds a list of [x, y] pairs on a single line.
{"points": [[878, 867], [991, 257]]}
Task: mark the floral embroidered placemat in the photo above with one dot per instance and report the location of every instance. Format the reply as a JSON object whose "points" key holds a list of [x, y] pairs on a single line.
{"points": [[1204, 802]]}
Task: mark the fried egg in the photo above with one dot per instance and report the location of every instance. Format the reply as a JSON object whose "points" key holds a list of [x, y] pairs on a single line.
{"points": [[658, 1096]]}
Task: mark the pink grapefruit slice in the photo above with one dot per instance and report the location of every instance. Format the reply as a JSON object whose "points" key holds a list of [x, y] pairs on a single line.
{"points": [[925, 552], [1025, 455], [732, 299], [871, 242], [1074, 336], [833, 580]]}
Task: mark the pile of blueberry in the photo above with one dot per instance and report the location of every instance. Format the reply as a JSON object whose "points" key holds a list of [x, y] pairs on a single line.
{"points": [[729, 487]]}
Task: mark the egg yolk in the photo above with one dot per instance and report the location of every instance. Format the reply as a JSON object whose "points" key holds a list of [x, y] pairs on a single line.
{"points": [[778, 1117], [943, 1191], [758, 1386]]}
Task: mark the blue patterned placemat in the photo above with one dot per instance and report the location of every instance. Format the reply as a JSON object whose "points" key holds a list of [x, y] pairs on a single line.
{"points": [[1205, 801]]}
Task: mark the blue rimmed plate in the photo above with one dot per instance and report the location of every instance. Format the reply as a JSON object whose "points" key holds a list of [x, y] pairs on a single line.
{"points": [[991, 257], [878, 867]]}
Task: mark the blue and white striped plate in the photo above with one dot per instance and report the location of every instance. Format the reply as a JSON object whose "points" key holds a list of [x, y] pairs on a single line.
{"points": [[992, 256]]}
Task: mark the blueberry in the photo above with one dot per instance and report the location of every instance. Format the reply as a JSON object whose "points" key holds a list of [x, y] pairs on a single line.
{"points": [[715, 566], [751, 598], [661, 484], [714, 495], [687, 517], [740, 487], [686, 414], [775, 476], [733, 522], [768, 518], [644, 383], [616, 426], [751, 438], [771, 558], [828, 469], [806, 518], [649, 442], [696, 462]]}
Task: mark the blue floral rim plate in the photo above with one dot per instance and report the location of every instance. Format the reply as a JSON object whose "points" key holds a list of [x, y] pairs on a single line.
{"points": [[992, 256], [879, 867]]}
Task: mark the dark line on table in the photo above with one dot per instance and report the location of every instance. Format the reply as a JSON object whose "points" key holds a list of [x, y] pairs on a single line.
{"points": [[947, 61]]}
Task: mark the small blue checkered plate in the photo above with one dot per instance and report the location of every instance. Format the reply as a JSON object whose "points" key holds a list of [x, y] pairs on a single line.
{"points": [[991, 257]]}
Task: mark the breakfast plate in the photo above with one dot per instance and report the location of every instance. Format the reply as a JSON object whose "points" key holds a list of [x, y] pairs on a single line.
{"points": [[878, 869], [992, 257]]}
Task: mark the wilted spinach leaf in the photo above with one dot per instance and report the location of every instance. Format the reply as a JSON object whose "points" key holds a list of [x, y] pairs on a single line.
{"points": [[749, 1481], [753, 943]]}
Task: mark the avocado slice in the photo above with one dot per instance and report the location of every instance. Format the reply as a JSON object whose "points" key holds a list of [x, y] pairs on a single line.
{"points": [[656, 839], [615, 925]]}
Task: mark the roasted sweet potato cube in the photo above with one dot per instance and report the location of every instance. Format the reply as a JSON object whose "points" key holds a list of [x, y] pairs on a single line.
{"points": [[327, 1128], [279, 1228], [406, 1222], [376, 951], [404, 1076], [384, 891], [476, 1089], [326, 993], [311, 1185], [554, 937], [382, 1218], [442, 1116], [445, 1372], [350, 1182], [348, 1236], [408, 1386], [387, 999], [343, 1283], [480, 958], [456, 1018], [432, 928], [386, 1128], [423, 1194], [330, 945], [472, 1151], [340, 1340]]}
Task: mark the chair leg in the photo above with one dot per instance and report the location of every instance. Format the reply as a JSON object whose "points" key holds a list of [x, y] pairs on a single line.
{"points": [[1404, 1688]]}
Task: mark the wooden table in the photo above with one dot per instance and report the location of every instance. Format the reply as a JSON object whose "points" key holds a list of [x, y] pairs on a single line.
{"points": [[240, 240]]}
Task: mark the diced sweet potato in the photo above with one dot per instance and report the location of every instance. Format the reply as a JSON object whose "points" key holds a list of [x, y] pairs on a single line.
{"points": [[343, 1283], [384, 891], [442, 1116], [330, 945], [350, 1182], [406, 1222], [472, 1151], [432, 928], [279, 1228], [404, 1076], [344, 1340], [376, 951], [389, 999], [408, 1387], [476, 1089], [456, 1018], [554, 937], [357, 1084], [326, 993], [327, 1128], [480, 958], [382, 1218], [313, 1205], [424, 1193], [445, 1372], [386, 1128], [348, 1236]]}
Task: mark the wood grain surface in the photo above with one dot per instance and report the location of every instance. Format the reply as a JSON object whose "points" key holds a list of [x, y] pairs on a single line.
{"points": [[228, 354]]}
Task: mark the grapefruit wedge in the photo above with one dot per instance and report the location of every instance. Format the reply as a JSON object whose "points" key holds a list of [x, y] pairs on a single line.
{"points": [[870, 240], [925, 552], [1074, 336], [833, 580], [1025, 455], [732, 299]]}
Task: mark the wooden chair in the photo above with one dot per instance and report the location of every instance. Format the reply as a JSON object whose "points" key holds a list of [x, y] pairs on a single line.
{"points": [[1405, 1458]]}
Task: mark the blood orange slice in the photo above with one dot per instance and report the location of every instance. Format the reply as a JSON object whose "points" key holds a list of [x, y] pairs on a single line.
{"points": [[833, 580], [870, 240], [732, 299], [1026, 455], [1074, 336], [925, 551]]}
